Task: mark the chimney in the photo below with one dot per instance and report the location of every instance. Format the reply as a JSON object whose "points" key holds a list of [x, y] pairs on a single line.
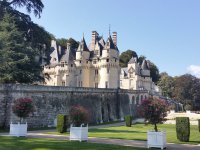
{"points": [[94, 37], [114, 38]]}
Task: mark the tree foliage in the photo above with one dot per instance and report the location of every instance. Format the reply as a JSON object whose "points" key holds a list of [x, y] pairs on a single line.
{"points": [[22, 107], [154, 111], [166, 83], [125, 57], [63, 42], [31, 5], [17, 57], [186, 89]]}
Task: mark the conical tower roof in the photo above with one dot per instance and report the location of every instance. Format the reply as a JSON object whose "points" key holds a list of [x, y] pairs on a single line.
{"points": [[144, 65], [82, 46]]}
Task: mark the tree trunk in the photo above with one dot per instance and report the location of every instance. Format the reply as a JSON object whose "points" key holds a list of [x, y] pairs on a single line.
{"points": [[155, 128]]}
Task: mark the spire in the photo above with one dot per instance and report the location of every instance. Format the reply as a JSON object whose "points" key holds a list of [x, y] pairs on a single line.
{"points": [[109, 29], [109, 44], [83, 46]]}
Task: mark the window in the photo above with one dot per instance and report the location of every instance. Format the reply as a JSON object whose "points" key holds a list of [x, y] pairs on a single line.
{"points": [[94, 62], [115, 60], [106, 84], [63, 83], [96, 85], [80, 61], [96, 72], [107, 50], [107, 60], [71, 65], [108, 70], [80, 83], [62, 64], [80, 71]]}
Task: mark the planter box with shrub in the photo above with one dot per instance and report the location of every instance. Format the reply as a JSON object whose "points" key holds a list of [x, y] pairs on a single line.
{"points": [[156, 139], [79, 133], [18, 129]]}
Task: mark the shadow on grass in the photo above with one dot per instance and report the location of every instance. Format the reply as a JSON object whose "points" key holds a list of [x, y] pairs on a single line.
{"points": [[114, 131], [11, 143]]}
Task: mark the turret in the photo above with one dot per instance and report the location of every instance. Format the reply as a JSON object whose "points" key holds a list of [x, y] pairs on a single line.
{"points": [[82, 51], [54, 54], [145, 71]]}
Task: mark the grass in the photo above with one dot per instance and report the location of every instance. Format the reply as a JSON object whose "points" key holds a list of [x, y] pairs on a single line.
{"points": [[11, 143], [139, 132]]}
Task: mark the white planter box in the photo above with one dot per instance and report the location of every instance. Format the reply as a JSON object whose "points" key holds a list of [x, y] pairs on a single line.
{"points": [[79, 133], [156, 139], [18, 129]]}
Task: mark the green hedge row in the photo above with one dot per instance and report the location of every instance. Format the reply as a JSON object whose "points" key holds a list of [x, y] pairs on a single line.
{"points": [[128, 120], [199, 124], [62, 123], [183, 128]]}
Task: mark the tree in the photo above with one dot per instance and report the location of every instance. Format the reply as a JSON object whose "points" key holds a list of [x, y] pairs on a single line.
{"points": [[23, 107], [186, 89], [31, 5], [154, 111], [78, 115], [17, 58], [63, 42], [125, 57], [166, 83]]}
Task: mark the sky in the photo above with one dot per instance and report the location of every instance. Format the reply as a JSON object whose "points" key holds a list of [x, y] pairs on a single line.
{"points": [[167, 32]]}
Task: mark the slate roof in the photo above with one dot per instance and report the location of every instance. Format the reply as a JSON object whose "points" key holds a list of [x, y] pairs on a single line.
{"points": [[82, 46], [132, 60], [144, 65]]}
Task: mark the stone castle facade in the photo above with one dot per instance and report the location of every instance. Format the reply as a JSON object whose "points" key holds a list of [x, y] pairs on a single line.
{"points": [[96, 66]]}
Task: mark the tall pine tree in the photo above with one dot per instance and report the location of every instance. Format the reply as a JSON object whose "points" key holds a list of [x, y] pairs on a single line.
{"points": [[17, 58]]}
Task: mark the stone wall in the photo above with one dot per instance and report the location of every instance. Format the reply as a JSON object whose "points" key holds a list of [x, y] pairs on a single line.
{"points": [[104, 104]]}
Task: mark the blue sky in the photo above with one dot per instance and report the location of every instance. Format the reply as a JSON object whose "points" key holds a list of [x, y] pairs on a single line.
{"points": [[167, 32]]}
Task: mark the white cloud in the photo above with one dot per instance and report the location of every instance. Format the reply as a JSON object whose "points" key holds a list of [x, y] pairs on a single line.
{"points": [[194, 70]]}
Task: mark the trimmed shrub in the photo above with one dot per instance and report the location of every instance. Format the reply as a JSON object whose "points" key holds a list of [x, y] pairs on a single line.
{"points": [[61, 123], [128, 120], [199, 124], [183, 128]]}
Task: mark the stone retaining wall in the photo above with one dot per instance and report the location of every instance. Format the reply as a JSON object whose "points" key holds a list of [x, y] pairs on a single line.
{"points": [[104, 104]]}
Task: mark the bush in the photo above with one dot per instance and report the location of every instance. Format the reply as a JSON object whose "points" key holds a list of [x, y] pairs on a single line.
{"points": [[78, 115], [62, 123], [183, 128], [153, 110], [22, 107], [199, 124], [128, 120]]}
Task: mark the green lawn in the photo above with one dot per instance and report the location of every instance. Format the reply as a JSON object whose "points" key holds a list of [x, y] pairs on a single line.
{"points": [[11, 143], [139, 132]]}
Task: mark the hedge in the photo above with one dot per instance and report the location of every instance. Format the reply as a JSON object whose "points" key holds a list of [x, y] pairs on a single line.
{"points": [[183, 128], [199, 124], [128, 120], [62, 123]]}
